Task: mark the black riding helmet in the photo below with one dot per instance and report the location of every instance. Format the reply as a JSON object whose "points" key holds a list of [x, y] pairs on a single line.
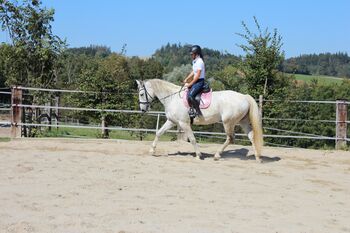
{"points": [[196, 49]]}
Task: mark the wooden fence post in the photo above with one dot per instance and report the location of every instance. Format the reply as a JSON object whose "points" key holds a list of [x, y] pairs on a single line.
{"points": [[261, 105], [105, 133], [16, 111], [341, 125], [57, 113]]}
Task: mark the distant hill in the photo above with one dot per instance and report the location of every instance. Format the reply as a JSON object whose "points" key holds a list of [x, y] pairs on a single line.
{"points": [[92, 50], [176, 55], [173, 56], [328, 64]]}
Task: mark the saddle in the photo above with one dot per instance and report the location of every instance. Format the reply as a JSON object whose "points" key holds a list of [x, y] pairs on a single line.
{"points": [[203, 97]]}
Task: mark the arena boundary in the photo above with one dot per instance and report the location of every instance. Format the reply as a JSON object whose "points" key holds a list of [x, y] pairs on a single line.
{"points": [[16, 110]]}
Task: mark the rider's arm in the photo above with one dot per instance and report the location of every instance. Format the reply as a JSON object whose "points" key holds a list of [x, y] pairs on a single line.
{"points": [[188, 77], [195, 78]]}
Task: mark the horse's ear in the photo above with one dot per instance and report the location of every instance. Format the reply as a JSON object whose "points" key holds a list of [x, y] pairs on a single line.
{"points": [[138, 83]]}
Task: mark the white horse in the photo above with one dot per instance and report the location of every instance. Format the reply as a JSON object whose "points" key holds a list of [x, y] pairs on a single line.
{"points": [[229, 107]]}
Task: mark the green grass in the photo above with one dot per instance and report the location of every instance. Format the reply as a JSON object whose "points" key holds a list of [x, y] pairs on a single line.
{"points": [[116, 134], [5, 139], [326, 80], [96, 133]]}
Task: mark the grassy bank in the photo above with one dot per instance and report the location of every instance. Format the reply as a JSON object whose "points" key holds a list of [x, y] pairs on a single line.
{"points": [[326, 80]]}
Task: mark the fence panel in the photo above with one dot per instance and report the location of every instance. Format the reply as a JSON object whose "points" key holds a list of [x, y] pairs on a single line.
{"points": [[272, 124]]}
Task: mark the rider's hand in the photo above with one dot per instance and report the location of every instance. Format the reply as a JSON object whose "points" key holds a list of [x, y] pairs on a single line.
{"points": [[187, 85]]}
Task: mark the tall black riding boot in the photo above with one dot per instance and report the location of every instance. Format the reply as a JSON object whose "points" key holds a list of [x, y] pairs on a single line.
{"points": [[191, 111], [194, 110], [198, 110]]}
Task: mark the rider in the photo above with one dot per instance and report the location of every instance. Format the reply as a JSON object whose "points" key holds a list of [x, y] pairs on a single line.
{"points": [[196, 85]]}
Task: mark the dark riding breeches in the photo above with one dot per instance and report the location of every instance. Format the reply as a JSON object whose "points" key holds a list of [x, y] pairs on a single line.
{"points": [[195, 89]]}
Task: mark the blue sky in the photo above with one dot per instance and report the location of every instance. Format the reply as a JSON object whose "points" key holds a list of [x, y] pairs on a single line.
{"points": [[306, 26]]}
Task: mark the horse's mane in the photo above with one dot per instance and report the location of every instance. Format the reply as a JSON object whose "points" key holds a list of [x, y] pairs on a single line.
{"points": [[162, 85]]}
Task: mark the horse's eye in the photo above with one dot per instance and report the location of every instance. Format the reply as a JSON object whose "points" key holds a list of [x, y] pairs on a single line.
{"points": [[141, 94]]}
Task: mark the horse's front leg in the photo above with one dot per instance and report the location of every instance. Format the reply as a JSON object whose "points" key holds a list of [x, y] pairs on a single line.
{"points": [[188, 131], [167, 125]]}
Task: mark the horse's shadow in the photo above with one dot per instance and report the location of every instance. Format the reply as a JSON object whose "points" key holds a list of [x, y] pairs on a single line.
{"points": [[241, 154]]}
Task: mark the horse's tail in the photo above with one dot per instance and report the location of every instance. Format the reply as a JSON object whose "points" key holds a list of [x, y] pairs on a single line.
{"points": [[255, 120]]}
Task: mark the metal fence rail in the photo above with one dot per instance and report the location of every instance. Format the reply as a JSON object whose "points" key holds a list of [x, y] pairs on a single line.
{"points": [[17, 106], [170, 131]]}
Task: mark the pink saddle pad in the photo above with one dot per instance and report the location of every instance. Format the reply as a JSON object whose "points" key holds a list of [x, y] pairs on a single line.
{"points": [[205, 99]]}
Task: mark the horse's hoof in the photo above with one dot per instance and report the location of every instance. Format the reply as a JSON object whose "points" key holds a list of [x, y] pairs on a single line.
{"points": [[258, 160], [152, 151], [199, 157], [217, 157]]}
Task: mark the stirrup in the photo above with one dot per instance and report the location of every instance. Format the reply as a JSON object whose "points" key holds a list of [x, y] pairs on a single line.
{"points": [[192, 113]]}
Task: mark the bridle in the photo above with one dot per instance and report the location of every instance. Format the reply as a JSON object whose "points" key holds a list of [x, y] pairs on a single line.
{"points": [[148, 96]]}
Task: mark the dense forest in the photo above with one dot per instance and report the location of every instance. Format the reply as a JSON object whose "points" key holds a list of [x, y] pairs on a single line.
{"points": [[174, 55], [38, 58], [337, 64]]}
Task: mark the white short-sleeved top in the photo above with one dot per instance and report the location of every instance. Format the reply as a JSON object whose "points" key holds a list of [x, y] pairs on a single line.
{"points": [[198, 64]]}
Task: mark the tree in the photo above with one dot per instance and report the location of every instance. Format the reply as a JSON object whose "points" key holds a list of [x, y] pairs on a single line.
{"points": [[31, 58], [337, 64], [178, 73], [230, 78], [92, 50], [262, 60], [145, 68], [175, 55]]}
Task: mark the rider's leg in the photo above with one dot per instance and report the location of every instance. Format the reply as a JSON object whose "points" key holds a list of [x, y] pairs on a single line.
{"points": [[195, 89], [191, 111], [193, 106]]}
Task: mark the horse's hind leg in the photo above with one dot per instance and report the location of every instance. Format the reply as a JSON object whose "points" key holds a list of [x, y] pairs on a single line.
{"points": [[188, 131], [229, 128], [167, 125], [247, 128]]}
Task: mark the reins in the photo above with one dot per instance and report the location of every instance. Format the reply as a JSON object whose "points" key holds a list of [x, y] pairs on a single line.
{"points": [[148, 103], [178, 92]]}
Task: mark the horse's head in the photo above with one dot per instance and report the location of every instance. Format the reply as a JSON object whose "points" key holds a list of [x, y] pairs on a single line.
{"points": [[146, 95]]}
